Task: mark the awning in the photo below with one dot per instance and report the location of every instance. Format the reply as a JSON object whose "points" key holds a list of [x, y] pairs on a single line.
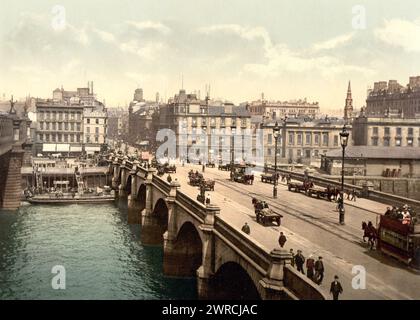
{"points": [[63, 147], [49, 147], [75, 149], [92, 149]]}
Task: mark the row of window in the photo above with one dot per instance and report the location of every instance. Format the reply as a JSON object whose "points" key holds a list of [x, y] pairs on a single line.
{"points": [[307, 153], [96, 121], [398, 142], [318, 139], [212, 122], [66, 126], [387, 131], [58, 115], [59, 137]]}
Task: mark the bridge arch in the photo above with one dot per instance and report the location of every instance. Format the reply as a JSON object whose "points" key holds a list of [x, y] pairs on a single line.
{"points": [[141, 196], [233, 282], [186, 253], [127, 186]]}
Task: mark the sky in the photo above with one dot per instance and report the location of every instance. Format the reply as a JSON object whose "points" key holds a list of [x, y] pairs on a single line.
{"points": [[286, 49]]}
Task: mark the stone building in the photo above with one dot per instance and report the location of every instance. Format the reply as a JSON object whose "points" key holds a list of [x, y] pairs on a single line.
{"points": [[143, 122], [391, 117], [306, 140], [117, 123], [193, 120], [386, 131], [62, 122], [392, 162], [279, 109], [391, 98]]}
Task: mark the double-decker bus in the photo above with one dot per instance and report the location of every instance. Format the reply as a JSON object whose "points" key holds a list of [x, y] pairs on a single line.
{"points": [[399, 240]]}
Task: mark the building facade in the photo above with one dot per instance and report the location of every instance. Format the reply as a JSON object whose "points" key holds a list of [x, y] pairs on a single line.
{"points": [[305, 140], [206, 129], [388, 99], [63, 127], [279, 109]]}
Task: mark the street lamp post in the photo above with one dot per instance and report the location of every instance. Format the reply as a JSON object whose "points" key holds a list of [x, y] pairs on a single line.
{"points": [[344, 137], [232, 155], [276, 130]]}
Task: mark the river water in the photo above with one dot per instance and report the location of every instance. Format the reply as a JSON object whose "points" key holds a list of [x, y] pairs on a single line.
{"points": [[101, 253]]}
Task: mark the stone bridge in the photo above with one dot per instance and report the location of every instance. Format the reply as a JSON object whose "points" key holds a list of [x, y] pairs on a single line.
{"points": [[14, 148], [198, 243]]}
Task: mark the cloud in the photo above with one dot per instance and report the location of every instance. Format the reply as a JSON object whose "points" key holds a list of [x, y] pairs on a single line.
{"points": [[400, 33], [150, 26], [278, 59], [334, 42]]}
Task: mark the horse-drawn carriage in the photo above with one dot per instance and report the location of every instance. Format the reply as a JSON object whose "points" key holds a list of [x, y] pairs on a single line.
{"points": [[165, 168], [210, 164], [269, 178], [197, 179], [241, 175], [264, 214], [224, 167], [318, 192]]}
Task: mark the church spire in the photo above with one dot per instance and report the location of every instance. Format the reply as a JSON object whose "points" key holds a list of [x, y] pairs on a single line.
{"points": [[348, 108]]}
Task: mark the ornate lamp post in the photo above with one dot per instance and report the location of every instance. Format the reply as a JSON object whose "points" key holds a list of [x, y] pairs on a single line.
{"points": [[344, 137], [232, 157], [276, 130]]}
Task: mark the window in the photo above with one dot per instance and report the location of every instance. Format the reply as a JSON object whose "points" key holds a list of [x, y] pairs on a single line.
{"points": [[72, 138], [325, 139], [78, 138], [386, 131], [88, 121], [88, 130], [291, 138], [316, 138], [270, 138], [316, 153], [299, 153], [307, 153], [78, 126], [41, 125], [97, 121], [59, 137], [72, 126], [398, 142], [47, 137], [53, 126], [410, 131], [96, 139], [66, 137], [374, 141], [308, 138], [375, 131], [269, 151], [66, 126], [335, 140], [60, 126], [398, 131], [386, 142], [97, 130], [299, 139]]}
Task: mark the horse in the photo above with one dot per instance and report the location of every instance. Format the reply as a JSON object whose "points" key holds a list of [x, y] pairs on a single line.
{"points": [[370, 232]]}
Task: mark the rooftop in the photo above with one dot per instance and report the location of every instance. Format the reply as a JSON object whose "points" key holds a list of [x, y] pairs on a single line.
{"points": [[369, 152]]}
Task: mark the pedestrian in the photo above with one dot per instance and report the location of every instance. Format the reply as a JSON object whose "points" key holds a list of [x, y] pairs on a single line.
{"points": [[208, 199], [319, 270], [300, 260], [310, 265], [336, 289], [292, 262], [246, 228], [282, 239], [169, 178], [204, 167]]}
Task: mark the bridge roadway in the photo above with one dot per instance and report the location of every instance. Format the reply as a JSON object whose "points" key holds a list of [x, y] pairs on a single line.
{"points": [[312, 225]]}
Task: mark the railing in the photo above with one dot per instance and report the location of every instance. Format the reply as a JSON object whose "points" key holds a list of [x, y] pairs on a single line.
{"points": [[253, 251], [187, 202], [374, 195], [300, 286], [161, 184]]}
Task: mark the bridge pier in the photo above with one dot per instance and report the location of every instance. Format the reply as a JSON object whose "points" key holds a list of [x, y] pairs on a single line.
{"points": [[207, 269], [272, 287], [10, 184]]}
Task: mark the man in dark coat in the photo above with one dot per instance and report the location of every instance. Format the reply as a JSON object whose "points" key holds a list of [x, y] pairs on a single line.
{"points": [[319, 270], [336, 289], [299, 261], [246, 228], [282, 239]]}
